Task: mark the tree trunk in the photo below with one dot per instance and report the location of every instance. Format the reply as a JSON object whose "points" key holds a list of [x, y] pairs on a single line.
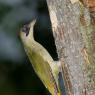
{"points": [[73, 25]]}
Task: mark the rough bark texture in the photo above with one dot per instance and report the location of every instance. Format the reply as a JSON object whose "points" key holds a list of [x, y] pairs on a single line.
{"points": [[73, 24]]}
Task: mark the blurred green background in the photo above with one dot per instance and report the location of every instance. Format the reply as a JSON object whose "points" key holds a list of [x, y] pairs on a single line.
{"points": [[17, 76]]}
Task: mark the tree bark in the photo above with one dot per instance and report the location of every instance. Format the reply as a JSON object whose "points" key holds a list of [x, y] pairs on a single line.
{"points": [[73, 25]]}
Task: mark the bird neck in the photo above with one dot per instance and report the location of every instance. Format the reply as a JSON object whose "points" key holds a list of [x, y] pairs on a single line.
{"points": [[31, 35]]}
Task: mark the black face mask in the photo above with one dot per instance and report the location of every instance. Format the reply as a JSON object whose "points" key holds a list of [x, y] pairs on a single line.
{"points": [[26, 29]]}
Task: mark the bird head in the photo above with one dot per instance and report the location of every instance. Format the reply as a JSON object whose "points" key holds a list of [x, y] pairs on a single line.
{"points": [[26, 33]]}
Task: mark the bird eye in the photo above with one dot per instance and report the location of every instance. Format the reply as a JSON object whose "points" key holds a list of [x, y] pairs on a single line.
{"points": [[26, 29]]}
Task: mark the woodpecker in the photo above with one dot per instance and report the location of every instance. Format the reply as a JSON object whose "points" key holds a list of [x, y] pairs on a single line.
{"points": [[43, 64]]}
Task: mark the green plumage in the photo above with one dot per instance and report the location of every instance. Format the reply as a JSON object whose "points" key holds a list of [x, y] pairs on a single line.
{"points": [[43, 64]]}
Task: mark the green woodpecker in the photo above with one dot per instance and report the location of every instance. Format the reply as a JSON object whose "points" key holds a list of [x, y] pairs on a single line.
{"points": [[43, 64]]}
